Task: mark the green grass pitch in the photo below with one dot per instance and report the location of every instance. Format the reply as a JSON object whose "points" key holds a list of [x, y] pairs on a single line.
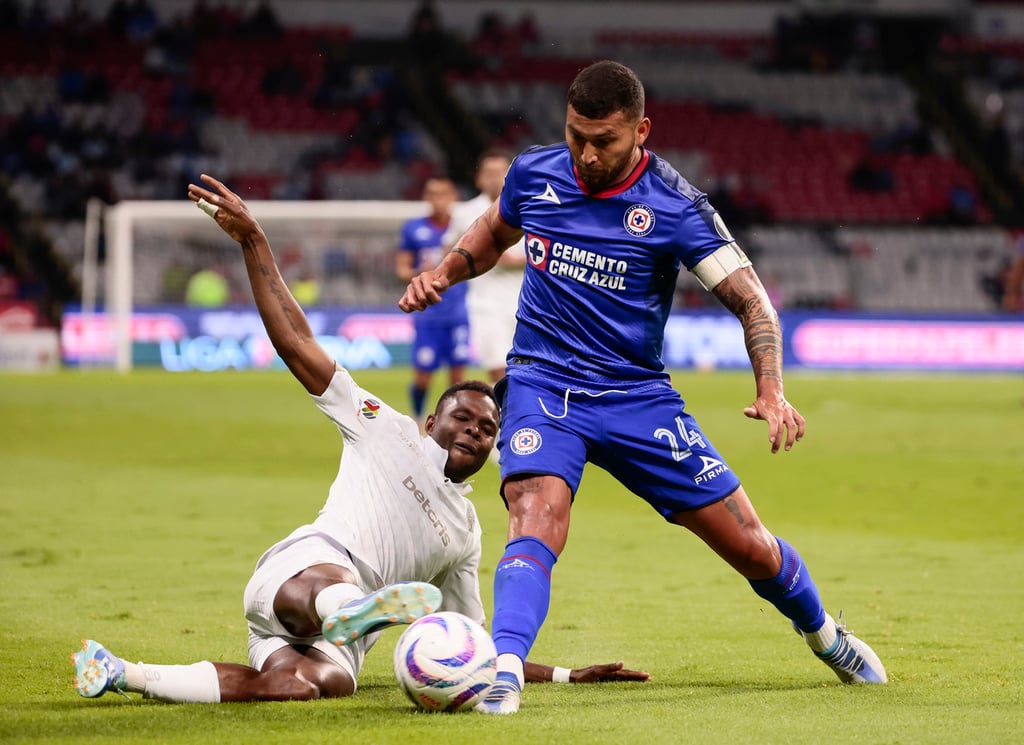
{"points": [[133, 509]]}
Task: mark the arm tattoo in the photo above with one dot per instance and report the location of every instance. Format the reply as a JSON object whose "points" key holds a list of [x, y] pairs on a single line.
{"points": [[742, 294], [275, 290], [469, 259]]}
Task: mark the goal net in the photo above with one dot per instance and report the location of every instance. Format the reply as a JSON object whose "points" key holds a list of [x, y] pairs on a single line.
{"points": [[343, 249]]}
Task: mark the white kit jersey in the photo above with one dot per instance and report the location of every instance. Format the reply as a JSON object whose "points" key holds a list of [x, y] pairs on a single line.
{"points": [[499, 287], [391, 505]]}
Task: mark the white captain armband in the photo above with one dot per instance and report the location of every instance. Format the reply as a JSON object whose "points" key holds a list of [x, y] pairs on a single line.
{"points": [[714, 268]]}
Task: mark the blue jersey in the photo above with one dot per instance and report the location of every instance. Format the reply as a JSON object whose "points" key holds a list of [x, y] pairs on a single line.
{"points": [[423, 238], [602, 267]]}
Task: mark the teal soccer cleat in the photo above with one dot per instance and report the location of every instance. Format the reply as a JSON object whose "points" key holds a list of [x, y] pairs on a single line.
{"points": [[400, 603], [97, 670]]}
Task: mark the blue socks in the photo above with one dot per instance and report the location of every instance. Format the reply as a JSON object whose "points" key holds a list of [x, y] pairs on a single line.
{"points": [[792, 591], [522, 591], [417, 396]]}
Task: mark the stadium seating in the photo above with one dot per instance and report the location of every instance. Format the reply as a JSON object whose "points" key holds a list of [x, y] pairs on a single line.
{"points": [[810, 161]]}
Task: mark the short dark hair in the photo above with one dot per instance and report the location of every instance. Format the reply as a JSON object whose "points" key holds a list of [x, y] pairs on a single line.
{"points": [[604, 88], [494, 152], [468, 385]]}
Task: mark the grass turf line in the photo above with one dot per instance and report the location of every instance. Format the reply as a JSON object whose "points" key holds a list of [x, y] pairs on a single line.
{"points": [[157, 492]]}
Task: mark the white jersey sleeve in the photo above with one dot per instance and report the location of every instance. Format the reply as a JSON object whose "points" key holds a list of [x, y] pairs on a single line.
{"points": [[348, 405], [460, 588]]}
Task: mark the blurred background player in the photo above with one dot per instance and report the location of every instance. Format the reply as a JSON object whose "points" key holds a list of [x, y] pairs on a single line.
{"points": [[317, 599], [493, 297], [441, 335]]}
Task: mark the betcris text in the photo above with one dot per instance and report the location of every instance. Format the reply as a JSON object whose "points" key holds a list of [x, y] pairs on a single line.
{"points": [[440, 527]]}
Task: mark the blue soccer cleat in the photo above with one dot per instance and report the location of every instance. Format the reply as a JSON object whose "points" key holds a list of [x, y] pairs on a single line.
{"points": [[503, 697], [97, 670], [852, 659], [400, 603]]}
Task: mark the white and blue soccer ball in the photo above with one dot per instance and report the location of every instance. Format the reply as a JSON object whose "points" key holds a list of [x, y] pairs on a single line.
{"points": [[445, 662]]}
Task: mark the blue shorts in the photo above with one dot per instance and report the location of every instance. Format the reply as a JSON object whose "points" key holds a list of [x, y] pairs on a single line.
{"points": [[641, 435], [440, 343]]}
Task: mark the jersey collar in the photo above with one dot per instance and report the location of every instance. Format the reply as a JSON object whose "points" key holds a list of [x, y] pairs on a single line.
{"points": [[439, 457], [611, 191]]}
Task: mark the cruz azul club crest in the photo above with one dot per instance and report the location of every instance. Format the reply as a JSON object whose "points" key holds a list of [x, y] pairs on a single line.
{"points": [[639, 220], [526, 441]]}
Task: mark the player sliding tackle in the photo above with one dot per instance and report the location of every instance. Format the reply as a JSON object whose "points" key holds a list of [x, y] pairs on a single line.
{"points": [[396, 523]]}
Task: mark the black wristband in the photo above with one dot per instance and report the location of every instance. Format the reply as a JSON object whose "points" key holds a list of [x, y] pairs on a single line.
{"points": [[469, 259]]}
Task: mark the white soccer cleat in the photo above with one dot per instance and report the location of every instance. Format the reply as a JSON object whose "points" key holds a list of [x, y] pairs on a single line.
{"points": [[851, 659], [503, 697]]}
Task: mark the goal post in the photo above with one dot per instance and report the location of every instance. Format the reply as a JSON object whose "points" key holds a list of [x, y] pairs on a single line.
{"points": [[146, 238]]}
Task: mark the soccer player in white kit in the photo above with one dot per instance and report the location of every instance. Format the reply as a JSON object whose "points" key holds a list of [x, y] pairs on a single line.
{"points": [[397, 538], [494, 296]]}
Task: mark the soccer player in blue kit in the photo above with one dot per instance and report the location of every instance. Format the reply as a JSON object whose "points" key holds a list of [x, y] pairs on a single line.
{"points": [[608, 224], [441, 333]]}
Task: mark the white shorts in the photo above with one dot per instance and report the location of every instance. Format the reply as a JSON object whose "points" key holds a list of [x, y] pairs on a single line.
{"points": [[491, 333], [282, 561]]}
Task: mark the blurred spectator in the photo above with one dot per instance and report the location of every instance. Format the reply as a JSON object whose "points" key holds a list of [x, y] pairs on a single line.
{"points": [[141, 21], [494, 43], [425, 35], [738, 200], [526, 30], [117, 18], [1013, 284], [961, 206], [37, 20], [262, 23], [170, 52], [908, 136], [208, 288], [871, 174], [283, 78]]}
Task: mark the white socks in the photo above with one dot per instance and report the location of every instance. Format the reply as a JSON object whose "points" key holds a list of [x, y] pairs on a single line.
{"points": [[823, 638], [333, 597], [176, 684], [510, 663]]}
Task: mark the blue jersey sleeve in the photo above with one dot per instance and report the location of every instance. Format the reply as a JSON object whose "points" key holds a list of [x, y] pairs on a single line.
{"points": [[511, 194]]}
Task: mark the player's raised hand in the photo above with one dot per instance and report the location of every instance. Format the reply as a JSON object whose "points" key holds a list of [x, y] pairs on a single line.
{"points": [[606, 673], [424, 290], [225, 207], [785, 424]]}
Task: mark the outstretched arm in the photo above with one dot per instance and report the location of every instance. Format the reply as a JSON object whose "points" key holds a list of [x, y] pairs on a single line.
{"points": [[534, 672], [284, 320], [477, 251], [743, 294]]}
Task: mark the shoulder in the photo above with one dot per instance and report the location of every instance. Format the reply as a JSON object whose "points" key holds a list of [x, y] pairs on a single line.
{"points": [[540, 157], [663, 171], [540, 152], [538, 164], [409, 227]]}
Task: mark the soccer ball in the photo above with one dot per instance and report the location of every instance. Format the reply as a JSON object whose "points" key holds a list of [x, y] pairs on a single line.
{"points": [[445, 662]]}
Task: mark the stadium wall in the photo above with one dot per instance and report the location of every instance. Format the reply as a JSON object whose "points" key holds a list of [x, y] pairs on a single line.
{"points": [[181, 339]]}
